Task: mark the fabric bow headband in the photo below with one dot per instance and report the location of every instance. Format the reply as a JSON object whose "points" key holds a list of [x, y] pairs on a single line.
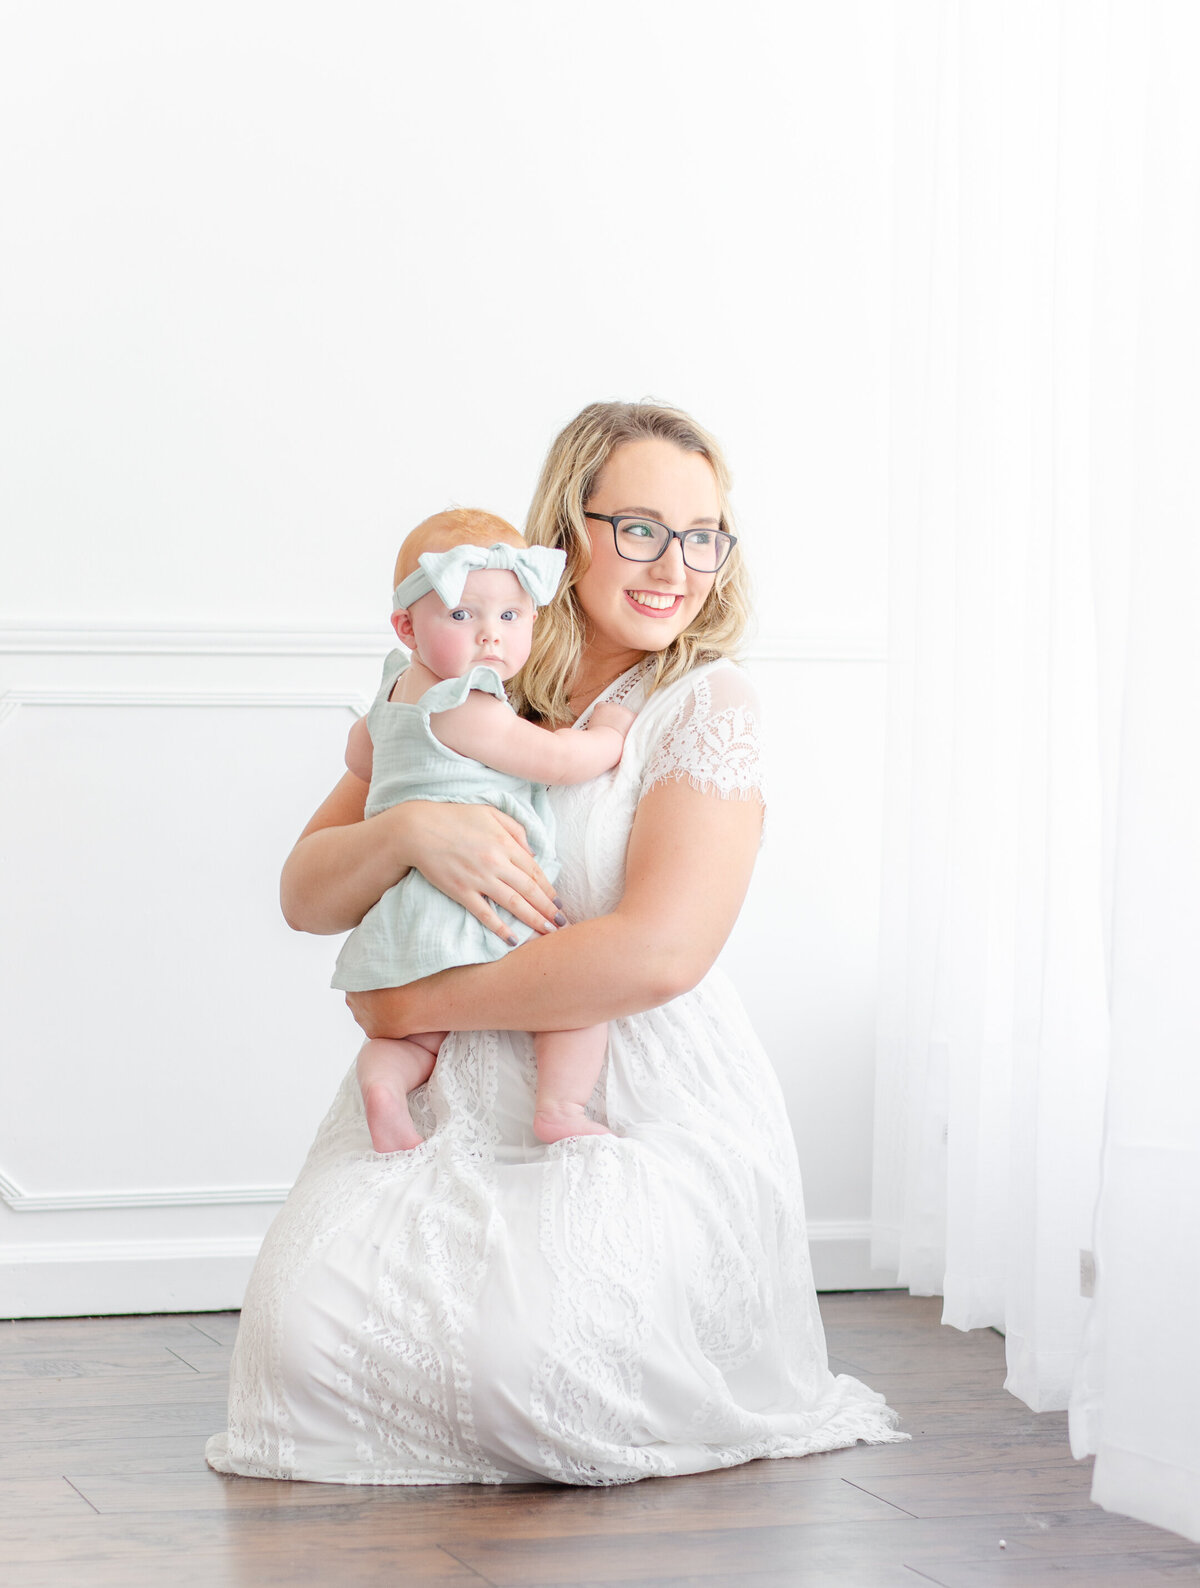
{"points": [[538, 568]]}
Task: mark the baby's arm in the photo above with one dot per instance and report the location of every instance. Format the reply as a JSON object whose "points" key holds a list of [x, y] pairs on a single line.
{"points": [[487, 730]]}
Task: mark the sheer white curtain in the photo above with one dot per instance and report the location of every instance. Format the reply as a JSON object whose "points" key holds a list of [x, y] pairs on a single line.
{"points": [[1136, 1399], [1044, 334]]}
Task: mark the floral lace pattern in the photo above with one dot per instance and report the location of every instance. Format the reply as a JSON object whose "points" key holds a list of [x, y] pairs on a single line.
{"points": [[602, 1240], [487, 1309], [711, 740]]}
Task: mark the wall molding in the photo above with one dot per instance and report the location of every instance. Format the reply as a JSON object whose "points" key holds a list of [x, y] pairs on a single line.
{"points": [[841, 1256], [31, 639], [12, 699], [155, 1247], [170, 1249], [76, 1278], [839, 1230], [94, 1278], [20, 1201]]}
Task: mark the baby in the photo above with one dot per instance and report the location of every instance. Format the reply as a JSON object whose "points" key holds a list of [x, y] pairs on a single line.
{"points": [[467, 592]]}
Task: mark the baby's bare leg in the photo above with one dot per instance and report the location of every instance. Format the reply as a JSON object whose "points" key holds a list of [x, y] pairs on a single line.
{"points": [[569, 1064], [388, 1070]]}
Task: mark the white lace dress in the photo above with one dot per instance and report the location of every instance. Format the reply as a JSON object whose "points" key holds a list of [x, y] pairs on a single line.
{"points": [[486, 1309]]}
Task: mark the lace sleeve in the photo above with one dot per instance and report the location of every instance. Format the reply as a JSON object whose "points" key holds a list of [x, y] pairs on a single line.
{"points": [[711, 737]]}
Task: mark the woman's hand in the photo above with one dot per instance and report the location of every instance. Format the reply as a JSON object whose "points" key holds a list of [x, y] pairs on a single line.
{"points": [[342, 864], [659, 941], [479, 857]]}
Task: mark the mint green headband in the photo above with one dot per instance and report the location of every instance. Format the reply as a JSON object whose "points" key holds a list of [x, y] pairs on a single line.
{"points": [[538, 568]]}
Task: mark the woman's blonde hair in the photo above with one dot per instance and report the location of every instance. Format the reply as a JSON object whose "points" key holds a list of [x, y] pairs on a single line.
{"points": [[576, 457]]}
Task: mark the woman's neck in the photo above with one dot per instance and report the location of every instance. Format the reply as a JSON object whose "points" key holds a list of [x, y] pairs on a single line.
{"points": [[596, 671]]}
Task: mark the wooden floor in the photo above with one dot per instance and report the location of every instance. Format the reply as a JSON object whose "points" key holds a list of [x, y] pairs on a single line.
{"points": [[102, 1481]]}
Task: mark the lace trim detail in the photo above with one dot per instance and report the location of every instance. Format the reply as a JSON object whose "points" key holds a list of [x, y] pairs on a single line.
{"points": [[406, 1381], [602, 1239], [617, 694], [716, 751]]}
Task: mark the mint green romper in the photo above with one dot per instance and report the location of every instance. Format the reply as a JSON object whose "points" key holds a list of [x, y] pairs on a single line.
{"points": [[415, 929]]}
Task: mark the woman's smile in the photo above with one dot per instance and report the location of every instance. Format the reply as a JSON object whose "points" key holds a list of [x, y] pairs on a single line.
{"points": [[633, 607], [654, 602]]}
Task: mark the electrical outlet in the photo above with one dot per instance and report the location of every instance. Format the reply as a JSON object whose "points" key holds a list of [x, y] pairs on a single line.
{"points": [[1087, 1274]]}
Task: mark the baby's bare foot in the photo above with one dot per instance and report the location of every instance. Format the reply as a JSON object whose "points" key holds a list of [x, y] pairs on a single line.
{"points": [[555, 1121], [388, 1119]]}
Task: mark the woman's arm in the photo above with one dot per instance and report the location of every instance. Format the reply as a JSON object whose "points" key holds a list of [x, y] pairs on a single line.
{"points": [[342, 864], [677, 911]]}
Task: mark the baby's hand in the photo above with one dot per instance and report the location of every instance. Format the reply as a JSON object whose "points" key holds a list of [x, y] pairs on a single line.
{"points": [[609, 716]]}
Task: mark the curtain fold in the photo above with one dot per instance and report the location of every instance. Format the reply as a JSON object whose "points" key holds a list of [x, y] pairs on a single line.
{"points": [[1136, 1400], [992, 1021], [1045, 280]]}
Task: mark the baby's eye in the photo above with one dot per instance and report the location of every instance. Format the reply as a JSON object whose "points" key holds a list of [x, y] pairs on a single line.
{"points": [[510, 616], [459, 615]]}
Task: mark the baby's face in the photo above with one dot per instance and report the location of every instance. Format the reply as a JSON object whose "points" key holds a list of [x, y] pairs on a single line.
{"points": [[491, 625]]}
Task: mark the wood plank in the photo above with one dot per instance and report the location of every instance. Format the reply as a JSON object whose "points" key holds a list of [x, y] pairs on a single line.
{"points": [[903, 1356], [1087, 1533], [986, 1489], [934, 1548], [867, 1574], [342, 1533], [42, 1497], [220, 1327], [63, 1336], [948, 1453], [877, 1328], [47, 1398], [1005, 1415], [135, 1421], [840, 1553], [127, 1553], [484, 1511], [1098, 1571], [153, 1454], [939, 1384], [202, 1490], [871, 1306], [150, 1360], [204, 1355]]}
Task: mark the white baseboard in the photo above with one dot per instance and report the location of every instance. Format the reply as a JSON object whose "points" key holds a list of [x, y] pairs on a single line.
{"points": [[97, 1278], [841, 1257], [94, 1278]]}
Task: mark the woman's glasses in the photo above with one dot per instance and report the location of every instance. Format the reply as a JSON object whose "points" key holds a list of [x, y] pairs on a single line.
{"points": [[646, 540]]}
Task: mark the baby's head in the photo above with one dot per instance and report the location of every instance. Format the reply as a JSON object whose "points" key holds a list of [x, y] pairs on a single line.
{"points": [[492, 623], [457, 526]]}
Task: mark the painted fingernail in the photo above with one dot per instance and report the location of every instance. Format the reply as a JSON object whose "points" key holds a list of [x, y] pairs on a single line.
{"points": [[558, 902], [560, 919], [511, 941]]}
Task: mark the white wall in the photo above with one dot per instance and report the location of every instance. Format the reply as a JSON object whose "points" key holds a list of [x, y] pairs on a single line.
{"points": [[282, 279]]}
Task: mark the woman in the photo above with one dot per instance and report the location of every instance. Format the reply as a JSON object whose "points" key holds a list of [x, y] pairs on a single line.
{"points": [[485, 1308]]}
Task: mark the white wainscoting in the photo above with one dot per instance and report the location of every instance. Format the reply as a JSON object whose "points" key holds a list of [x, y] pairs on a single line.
{"points": [[168, 1045]]}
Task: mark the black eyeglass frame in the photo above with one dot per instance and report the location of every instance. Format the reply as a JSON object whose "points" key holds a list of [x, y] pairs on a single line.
{"points": [[680, 535]]}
